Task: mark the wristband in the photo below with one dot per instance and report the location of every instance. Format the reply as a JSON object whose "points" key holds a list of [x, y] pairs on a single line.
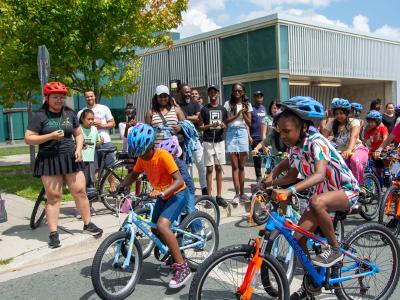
{"points": [[162, 195], [292, 189]]}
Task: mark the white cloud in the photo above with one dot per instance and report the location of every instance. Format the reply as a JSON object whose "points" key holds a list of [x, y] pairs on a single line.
{"points": [[389, 32], [195, 19], [360, 23], [272, 3]]}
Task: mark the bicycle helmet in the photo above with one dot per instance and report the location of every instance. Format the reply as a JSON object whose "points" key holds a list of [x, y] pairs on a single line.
{"points": [[140, 138], [357, 106], [305, 107], [374, 115], [172, 146], [55, 88], [339, 103]]}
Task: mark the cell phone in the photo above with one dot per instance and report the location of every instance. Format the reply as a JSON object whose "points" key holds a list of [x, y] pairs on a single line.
{"points": [[130, 118]]}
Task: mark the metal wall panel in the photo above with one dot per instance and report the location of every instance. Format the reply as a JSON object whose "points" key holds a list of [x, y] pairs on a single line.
{"points": [[322, 52], [197, 64]]}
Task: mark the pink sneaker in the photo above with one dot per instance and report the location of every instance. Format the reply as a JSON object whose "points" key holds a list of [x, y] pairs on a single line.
{"points": [[236, 200], [182, 274]]}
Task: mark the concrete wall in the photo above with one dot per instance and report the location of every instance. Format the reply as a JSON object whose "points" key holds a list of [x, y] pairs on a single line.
{"points": [[365, 93]]}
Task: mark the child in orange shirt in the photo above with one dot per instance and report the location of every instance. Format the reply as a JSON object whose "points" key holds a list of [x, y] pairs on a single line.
{"points": [[169, 188]]}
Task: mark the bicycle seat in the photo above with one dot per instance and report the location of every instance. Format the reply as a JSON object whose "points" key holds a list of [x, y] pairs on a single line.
{"points": [[107, 150], [122, 155]]}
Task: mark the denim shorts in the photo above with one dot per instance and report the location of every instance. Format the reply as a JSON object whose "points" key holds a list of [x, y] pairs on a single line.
{"points": [[171, 208], [237, 139]]}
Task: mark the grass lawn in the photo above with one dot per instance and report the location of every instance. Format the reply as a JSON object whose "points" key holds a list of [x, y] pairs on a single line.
{"points": [[5, 151], [18, 180]]}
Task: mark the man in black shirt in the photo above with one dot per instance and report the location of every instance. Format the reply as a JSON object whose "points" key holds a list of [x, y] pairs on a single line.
{"points": [[211, 122], [191, 109]]}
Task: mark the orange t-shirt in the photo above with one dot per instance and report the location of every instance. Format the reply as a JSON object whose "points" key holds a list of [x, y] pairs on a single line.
{"points": [[159, 170]]}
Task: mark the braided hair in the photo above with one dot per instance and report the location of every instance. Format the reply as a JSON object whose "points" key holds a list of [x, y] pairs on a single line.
{"points": [[244, 98]]}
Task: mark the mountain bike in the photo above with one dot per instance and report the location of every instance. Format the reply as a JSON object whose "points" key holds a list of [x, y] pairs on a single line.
{"points": [[117, 264], [369, 269]]}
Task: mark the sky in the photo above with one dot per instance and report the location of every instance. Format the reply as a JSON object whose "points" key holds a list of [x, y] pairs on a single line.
{"points": [[380, 17]]}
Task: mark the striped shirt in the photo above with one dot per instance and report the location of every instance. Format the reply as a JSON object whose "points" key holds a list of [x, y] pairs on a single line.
{"points": [[171, 118]]}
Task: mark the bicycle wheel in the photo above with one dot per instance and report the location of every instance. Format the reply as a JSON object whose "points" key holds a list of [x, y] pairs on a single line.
{"points": [[39, 210], [146, 244], [387, 213], [204, 225], [370, 198], [208, 205], [116, 174], [279, 248], [259, 209], [375, 243], [220, 275], [110, 280]]}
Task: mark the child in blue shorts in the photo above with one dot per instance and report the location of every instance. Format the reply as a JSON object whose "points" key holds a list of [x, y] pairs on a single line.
{"points": [[169, 188]]}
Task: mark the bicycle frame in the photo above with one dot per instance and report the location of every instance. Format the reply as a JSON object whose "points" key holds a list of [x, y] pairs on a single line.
{"points": [[286, 227], [142, 224]]}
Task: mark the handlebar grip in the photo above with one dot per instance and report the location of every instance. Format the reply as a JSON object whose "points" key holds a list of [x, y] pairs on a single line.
{"points": [[281, 197]]}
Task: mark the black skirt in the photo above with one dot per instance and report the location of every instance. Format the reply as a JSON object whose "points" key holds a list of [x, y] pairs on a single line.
{"points": [[56, 164]]}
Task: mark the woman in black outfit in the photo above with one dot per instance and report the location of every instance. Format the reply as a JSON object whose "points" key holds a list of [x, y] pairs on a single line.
{"points": [[59, 160]]}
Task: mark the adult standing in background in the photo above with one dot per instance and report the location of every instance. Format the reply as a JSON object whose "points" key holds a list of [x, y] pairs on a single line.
{"points": [[130, 120], [164, 115], [256, 134], [104, 121], [212, 122], [55, 128], [196, 97], [191, 109], [237, 140], [389, 117], [375, 105]]}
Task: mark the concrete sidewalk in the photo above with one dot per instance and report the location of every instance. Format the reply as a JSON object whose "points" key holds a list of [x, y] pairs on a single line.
{"points": [[28, 248]]}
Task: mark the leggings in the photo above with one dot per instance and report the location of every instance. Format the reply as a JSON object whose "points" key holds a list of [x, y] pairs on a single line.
{"points": [[356, 163]]}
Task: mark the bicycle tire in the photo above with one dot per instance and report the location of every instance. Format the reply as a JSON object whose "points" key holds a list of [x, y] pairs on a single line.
{"points": [[97, 267], [271, 250], [146, 244], [366, 211], [238, 251], [38, 212], [395, 202], [204, 208], [391, 241], [107, 197], [185, 225]]}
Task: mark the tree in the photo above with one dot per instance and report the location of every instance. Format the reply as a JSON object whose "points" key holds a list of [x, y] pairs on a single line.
{"points": [[92, 44]]}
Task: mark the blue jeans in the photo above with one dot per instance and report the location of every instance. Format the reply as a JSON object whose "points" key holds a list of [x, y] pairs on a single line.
{"points": [[196, 226]]}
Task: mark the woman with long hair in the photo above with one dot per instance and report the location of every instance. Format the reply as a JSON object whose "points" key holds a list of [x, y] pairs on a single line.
{"points": [[237, 139], [164, 115]]}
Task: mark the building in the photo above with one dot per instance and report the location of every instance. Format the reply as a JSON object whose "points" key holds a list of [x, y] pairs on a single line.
{"points": [[281, 55]]}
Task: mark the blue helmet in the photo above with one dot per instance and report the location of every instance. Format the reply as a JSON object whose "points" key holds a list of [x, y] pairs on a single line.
{"points": [[339, 103], [140, 138], [374, 115], [357, 106], [305, 107]]}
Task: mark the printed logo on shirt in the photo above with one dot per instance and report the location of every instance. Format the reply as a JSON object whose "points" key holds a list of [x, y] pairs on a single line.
{"points": [[215, 116]]}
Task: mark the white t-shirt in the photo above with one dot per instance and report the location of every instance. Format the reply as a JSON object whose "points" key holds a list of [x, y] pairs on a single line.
{"points": [[102, 114], [344, 133], [122, 126], [239, 121]]}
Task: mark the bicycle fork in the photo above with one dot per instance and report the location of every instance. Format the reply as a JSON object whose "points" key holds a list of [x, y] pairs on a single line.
{"points": [[389, 204], [245, 291]]}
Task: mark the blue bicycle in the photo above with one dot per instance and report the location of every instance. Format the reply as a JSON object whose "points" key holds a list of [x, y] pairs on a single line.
{"points": [[117, 264], [369, 270]]}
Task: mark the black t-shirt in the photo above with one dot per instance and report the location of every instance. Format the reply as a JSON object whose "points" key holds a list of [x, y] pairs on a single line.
{"points": [[389, 122], [209, 115], [44, 122], [190, 109]]}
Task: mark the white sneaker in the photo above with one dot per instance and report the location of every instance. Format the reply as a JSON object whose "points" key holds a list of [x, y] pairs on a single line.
{"points": [[236, 200]]}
